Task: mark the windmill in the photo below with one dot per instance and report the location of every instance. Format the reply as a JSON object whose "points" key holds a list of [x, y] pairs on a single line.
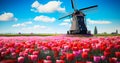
{"points": [[78, 20]]}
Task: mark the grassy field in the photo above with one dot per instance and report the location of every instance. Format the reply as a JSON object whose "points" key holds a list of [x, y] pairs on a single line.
{"points": [[107, 35], [28, 34], [54, 35]]}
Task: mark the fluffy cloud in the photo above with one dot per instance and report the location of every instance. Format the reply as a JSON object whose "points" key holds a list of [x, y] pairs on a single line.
{"points": [[49, 7], [66, 22], [7, 17], [22, 24], [98, 21], [44, 18], [38, 26]]}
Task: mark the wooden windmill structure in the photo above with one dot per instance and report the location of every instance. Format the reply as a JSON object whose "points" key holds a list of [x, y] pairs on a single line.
{"points": [[78, 20]]}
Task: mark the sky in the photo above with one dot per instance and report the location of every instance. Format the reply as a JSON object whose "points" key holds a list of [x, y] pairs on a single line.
{"points": [[41, 16]]}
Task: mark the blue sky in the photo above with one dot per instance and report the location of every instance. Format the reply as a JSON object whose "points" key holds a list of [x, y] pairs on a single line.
{"points": [[41, 16]]}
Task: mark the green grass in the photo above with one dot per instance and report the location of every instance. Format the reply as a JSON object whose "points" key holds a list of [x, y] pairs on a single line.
{"points": [[107, 35], [10, 34], [29, 34]]}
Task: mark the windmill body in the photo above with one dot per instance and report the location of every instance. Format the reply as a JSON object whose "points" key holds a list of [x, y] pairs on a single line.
{"points": [[78, 25]]}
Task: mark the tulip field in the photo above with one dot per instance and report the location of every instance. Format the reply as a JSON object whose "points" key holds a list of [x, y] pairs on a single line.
{"points": [[59, 49]]}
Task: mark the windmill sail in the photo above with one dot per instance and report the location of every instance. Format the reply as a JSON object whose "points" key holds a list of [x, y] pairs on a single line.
{"points": [[88, 7], [72, 4]]}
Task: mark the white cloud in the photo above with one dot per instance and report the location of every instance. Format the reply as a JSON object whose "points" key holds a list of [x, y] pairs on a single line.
{"points": [[38, 26], [65, 22], [49, 7], [7, 17], [44, 18], [22, 24], [98, 21]]}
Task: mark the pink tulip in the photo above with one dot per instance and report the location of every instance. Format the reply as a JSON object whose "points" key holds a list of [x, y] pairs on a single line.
{"points": [[13, 55], [66, 48], [48, 57], [60, 61], [36, 53], [47, 61], [76, 53], [96, 59], [21, 54], [89, 62], [103, 57], [25, 54], [34, 57], [20, 59]]}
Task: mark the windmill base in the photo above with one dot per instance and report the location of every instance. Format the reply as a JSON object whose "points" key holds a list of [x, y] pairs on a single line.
{"points": [[77, 32]]}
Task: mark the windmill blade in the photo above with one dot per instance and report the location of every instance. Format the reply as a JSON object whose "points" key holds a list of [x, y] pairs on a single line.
{"points": [[72, 4], [65, 16], [88, 7]]}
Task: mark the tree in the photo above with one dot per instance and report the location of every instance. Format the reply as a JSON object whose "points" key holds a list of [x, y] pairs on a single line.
{"points": [[95, 30], [116, 31]]}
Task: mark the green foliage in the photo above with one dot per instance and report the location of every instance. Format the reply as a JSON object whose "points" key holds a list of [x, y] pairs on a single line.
{"points": [[95, 30]]}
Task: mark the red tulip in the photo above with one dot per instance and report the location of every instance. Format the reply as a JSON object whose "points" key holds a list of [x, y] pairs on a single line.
{"points": [[113, 60], [17, 51], [80, 62], [84, 55], [107, 49], [40, 61], [117, 54], [75, 48], [70, 56], [62, 57], [107, 54], [8, 61]]}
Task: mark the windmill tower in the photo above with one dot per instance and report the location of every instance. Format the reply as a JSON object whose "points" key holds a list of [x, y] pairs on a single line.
{"points": [[78, 20]]}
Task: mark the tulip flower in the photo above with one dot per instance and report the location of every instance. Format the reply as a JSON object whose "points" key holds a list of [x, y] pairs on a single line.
{"points": [[113, 60], [60, 61], [35, 52], [25, 54], [97, 59], [75, 48], [117, 54], [62, 57], [106, 54], [84, 55], [89, 62], [103, 57], [34, 57], [80, 62], [20, 59], [48, 57], [40, 61], [76, 53], [13, 55], [70, 56], [47, 61]]}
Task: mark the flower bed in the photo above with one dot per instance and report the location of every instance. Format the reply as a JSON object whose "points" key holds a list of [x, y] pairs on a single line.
{"points": [[59, 50]]}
